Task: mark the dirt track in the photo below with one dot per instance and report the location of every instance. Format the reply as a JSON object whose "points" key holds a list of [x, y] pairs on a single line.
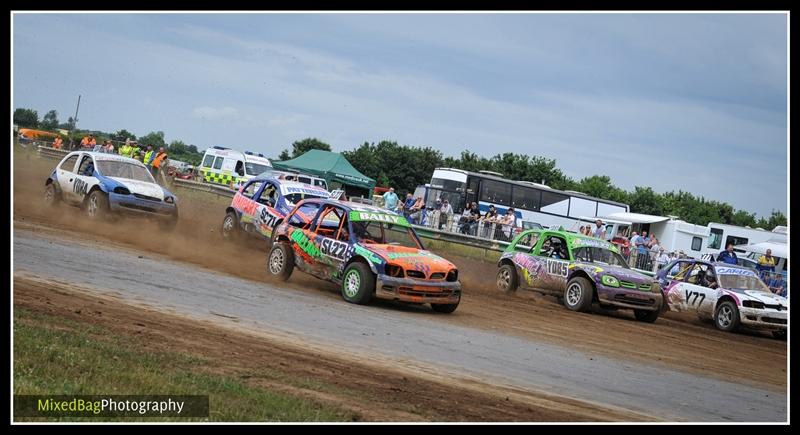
{"points": [[373, 392], [676, 340]]}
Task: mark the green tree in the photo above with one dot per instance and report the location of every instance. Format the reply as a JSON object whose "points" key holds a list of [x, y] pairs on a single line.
{"points": [[122, 135], [50, 121], [300, 147], [26, 118], [155, 138]]}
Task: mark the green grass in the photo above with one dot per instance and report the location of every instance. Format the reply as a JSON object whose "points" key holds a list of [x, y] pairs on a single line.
{"points": [[57, 356]]}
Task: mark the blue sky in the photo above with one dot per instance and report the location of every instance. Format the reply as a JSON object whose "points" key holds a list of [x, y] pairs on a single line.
{"points": [[696, 102]]}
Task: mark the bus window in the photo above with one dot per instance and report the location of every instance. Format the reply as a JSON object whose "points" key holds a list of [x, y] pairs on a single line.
{"points": [[495, 192], [208, 160], [218, 162], [526, 198], [555, 203], [736, 241]]}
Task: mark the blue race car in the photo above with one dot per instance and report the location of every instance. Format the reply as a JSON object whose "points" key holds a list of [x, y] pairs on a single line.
{"points": [[261, 204], [103, 184]]}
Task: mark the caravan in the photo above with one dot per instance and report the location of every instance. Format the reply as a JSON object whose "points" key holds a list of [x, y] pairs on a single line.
{"points": [[674, 235], [232, 168]]}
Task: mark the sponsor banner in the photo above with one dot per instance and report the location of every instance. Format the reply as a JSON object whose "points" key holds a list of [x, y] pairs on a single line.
{"points": [[735, 271], [358, 216], [288, 190]]}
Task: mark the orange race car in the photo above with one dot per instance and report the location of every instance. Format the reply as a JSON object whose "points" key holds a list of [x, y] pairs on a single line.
{"points": [[369, 251]]}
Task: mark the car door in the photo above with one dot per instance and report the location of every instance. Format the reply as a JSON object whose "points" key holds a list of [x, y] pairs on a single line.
{"points": [[65, 174], [553, 256], [267, 214], [333, 233], [527, 264], [689, 294], [670, 270], [84, 178]]}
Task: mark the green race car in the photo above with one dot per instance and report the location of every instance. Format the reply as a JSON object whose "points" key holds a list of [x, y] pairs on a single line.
{"points": [[579, 270]]}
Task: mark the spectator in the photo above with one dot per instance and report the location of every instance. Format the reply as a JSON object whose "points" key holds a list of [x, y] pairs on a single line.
{"points": [[634, 238], [777, 285], [390, 199], [470, 219], [662, 259], [728, 256], [410, 201], [58, 143], [159, 161], [599, 231], [149, 155], [488, 219], [582, 230], [509, 222], [85, 142], [642, 257], [445, 214], [415, 215], [766, 262]]}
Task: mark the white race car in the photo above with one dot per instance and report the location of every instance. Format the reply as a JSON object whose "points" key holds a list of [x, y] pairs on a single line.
{"points": [[103, 184], [731, 295]]}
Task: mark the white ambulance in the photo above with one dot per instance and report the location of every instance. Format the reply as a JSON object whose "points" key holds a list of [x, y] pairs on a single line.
{"points": [[230, 167]]}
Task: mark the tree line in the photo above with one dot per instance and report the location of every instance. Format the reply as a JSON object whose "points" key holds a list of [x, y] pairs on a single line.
{"points": [[405, 167]]}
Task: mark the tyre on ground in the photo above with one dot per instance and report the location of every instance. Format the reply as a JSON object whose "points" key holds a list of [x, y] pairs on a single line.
{"points": [[97, 205], [578, 294], [726, 316], [358, 283], [230, 226], [507, 279], [280, 262]]}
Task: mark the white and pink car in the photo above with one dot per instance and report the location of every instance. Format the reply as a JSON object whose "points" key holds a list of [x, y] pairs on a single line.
{"points": [[733, 296]]}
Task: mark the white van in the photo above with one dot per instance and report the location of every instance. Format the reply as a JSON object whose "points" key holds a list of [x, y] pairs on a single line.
{"points": [[230, 167]]}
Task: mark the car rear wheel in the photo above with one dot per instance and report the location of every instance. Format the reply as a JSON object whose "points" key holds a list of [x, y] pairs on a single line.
{"points": [[578, 294], [51, 198], [358, 284], [280, 262], [646, 316], [507, 280], [230, 226], [726, 318], [97, 205]]}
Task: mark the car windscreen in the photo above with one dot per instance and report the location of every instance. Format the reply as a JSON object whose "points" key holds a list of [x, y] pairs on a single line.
{"points": [[742, 282], [592, 254], [255, 169], [378, 232], [122, 169]]}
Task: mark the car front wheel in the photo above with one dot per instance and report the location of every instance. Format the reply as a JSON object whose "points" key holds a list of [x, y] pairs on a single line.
{"points": [[358, 284], [280, 262], [51, 198], [726, 317], [97, 205], [578, 294], [646, 316], [230, 226]]}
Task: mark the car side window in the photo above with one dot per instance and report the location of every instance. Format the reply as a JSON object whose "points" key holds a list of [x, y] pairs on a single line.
{"points": [[554, 247], [269, 195], [330, 223], [69, 164], [303, 215], [251, 188], [87, 166], [239, 168], [526, 243], [218, 162], [208, 160]]}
